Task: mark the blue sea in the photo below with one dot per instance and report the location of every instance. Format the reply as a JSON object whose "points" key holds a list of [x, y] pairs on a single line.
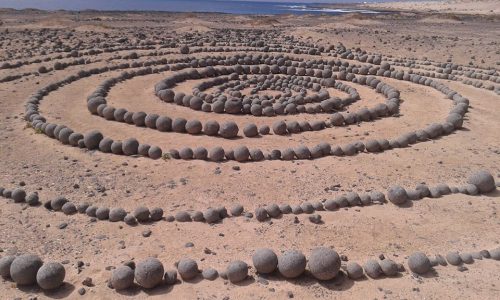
{"points": [[230, 7]]}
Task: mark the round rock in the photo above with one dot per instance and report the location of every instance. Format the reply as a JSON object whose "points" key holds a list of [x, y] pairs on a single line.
{"points": [[292, 264], [149, 273], [265, 260], [51, 275]]}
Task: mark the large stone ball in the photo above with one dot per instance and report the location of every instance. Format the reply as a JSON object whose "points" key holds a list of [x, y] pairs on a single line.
{"points": [[483, 180], [372, 268], [117, 214], [122, 278], [389, 267], [250, 130], [24, 268], [5, 263], [194, 126], [265, 260], [92, 139], [280, 128], [241, 153], [419, 263], [130, 146], [324, 263], [18, 195], [292, 264], [188, 268], [51, 275], [211, 216], [237, 271], [149, 273], [354, 270], [211, 128], [397, 195], [163, 124], [216, 154], [228, 130]]}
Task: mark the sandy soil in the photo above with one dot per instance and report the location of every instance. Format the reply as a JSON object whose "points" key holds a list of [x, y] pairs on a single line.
{"points": [[453, 222]]}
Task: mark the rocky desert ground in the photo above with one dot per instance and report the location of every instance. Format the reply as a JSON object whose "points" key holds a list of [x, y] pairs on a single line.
{"points": [[362, 150]]}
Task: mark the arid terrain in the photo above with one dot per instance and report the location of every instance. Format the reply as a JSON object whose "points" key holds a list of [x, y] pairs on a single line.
{"points": [[457, 51]]}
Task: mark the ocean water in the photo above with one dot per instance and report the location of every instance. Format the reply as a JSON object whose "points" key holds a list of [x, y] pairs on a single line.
{"points": [[230, 7]]}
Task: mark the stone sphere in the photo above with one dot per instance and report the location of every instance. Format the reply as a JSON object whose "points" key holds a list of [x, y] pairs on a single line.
{"points": [[18, 195], [373, 269], [116, 147], [250, 130], [149, 273], [211, 128], [186, 153], [237, 271], [273, 210], [280, 128], [69, 208], [265, 260], [197, 216], [228, 130], [170, 277], [139, 118], [117, 214], [51, 275], [156, 214], [292, 264], [57, 203], [216, 154], [236, 210], [130, 146], [495, 253], [187, 268], [24, 268], [91, 211], [302, 152], [92, 139], [210, 274], [105, 145], [194, 127], [354, 270], [150, 120], [130, 220], [122, 278], [179, 125], [454, 258], [337, 119], [264, 130], [483, 180], [241, 153], [261, 214], [163, 124], [211, 215], [142, 214], [182, 216], [419, 263], [184, 49], [5, 263], [200, 153], [256, 155], [155, 152], [397, 195], [143, 149], [324, 263], [102, 213], [389, 267]]}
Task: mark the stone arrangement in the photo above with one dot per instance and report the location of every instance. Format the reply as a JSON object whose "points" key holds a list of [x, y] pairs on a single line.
{"points": [[275, 79], [481, 182], [270, 81]]}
